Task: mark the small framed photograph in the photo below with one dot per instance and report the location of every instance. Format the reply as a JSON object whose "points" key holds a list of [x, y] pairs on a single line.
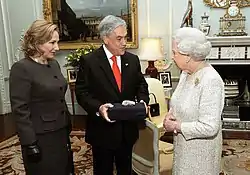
{"points": [[71, 74], [165, 78]]}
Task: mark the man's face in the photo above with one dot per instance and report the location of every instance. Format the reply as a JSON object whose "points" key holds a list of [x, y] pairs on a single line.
{"points": [[116, 41]]}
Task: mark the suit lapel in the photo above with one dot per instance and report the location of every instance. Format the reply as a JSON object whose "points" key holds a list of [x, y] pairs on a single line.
{"points": [[106, 68], [124, 69]]}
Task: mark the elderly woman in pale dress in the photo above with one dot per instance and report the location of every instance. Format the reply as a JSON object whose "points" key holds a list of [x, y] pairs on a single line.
{"points": [[195, 107]]}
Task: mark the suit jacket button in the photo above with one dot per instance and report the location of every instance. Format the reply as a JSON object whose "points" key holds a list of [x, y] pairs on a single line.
{"points": [[48, 66], [61, 88], [55, 77], [62, 100]]}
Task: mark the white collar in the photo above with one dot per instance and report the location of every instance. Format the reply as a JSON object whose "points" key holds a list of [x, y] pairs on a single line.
{"points": [[107, 52]]}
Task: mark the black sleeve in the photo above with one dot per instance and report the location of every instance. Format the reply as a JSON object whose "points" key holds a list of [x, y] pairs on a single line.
{"points": [[142, 86], [20, 90], [83, 95]]}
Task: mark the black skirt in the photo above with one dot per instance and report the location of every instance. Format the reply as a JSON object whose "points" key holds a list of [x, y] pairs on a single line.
{"points": [[56, 158]]}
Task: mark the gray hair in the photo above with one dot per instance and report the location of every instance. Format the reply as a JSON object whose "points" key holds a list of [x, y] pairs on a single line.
{"points": [[192, 42], [109, 24]]}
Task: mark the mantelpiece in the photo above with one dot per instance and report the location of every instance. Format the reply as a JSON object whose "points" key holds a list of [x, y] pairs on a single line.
{"points": [[229, 62], [229, 40], [229, 50]]}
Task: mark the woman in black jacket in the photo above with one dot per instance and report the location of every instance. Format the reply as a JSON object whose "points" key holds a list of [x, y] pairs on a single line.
{"points": [[37, 94]]}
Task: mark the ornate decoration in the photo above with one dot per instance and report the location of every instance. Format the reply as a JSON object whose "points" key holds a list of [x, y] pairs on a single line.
{"points": [[204, 26], [187, 18], [233, 22], [217, 3]]}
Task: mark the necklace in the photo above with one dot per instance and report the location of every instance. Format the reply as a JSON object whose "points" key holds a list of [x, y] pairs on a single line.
{"points": [[40, 61]]}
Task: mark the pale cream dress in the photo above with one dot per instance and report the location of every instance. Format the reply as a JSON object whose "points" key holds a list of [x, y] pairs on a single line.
{"points": [[198, 102]]}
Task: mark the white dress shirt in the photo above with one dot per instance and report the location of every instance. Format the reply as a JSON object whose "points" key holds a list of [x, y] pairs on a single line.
{"points": [[109, 55]]}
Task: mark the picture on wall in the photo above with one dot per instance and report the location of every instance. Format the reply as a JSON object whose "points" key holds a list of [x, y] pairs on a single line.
{"points": [[78, 20], [71, 74], [165, 78]]}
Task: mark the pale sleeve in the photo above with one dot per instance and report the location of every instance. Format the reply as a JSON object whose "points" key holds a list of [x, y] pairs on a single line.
{"points": [[210, 109]]}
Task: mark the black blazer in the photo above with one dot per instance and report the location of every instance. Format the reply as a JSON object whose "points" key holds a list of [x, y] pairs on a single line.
{"points": [[37, 98], [96, 85]]}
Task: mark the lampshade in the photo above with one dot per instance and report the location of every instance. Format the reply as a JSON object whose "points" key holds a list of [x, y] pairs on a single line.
{"points": [[151, 49]]}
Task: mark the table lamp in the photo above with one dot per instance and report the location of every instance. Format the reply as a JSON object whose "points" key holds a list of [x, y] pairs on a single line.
{"points": [[151, 50]]}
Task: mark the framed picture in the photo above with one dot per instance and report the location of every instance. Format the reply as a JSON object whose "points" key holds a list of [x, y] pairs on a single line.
{"points": [[78, 20], [165, 78], [71, 74]]}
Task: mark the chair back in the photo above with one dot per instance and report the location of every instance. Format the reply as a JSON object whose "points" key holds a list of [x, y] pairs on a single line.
{"points": [[155, 86], [148, 157]]}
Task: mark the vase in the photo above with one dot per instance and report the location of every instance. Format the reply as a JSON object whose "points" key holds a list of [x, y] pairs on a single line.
{"points": [[204, 25]]}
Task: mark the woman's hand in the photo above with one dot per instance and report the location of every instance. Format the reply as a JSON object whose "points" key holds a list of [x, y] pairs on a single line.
{"points": [[170, 123]]}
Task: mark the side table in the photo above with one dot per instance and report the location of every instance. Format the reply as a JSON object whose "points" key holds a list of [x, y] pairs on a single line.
{"points": [[72, 87]]}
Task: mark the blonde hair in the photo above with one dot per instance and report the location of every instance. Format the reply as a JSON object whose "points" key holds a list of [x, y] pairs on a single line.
{"points": [[40, 32]]}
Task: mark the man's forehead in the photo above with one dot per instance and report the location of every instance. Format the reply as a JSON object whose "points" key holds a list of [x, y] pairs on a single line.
{"points": [[120, 31]]}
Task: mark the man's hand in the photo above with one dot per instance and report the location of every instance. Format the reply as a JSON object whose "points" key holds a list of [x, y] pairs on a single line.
{"points": [[103, 111], [146, 107]]}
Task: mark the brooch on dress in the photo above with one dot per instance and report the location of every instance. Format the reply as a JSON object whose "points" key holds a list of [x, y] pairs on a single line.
{"points": [[197, 81]]}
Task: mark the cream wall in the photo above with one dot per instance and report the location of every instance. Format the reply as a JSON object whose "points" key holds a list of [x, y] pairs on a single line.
{"points": [[17, 15]]}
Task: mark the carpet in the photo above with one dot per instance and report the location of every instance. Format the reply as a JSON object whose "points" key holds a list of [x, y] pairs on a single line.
{"points": [[11, 160], [235, 157]]}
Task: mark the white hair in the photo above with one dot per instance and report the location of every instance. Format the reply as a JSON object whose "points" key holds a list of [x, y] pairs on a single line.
{"points": [[192, 42], [109, 24]]}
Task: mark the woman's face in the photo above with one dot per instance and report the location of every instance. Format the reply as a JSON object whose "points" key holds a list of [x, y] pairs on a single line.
{"points": [[49, 48], [179, 59]]}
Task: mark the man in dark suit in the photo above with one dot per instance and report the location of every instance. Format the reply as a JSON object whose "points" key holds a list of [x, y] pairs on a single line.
{"points": [[106, 76]]}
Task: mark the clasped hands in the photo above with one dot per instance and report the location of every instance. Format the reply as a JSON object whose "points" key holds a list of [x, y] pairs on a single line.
{"points": [[103, 109], [170, 123]]}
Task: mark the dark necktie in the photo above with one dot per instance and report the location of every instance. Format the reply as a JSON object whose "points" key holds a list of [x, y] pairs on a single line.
{"points": [[116, 72]]}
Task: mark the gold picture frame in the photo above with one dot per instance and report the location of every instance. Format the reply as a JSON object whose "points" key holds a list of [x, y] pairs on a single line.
{"points": [[217, 3], [71, 75], [76, 32], [226, 3]]}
